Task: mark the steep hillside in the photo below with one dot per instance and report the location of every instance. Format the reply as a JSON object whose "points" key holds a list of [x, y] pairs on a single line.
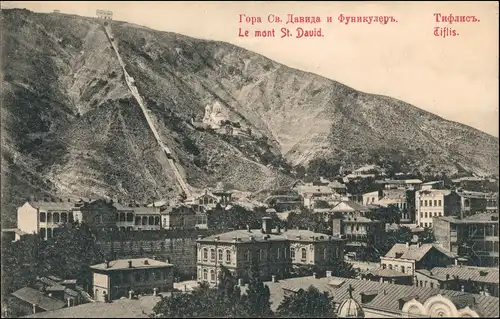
{"points": [[71, 127]]}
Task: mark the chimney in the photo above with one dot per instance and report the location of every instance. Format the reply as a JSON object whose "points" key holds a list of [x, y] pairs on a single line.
{"points": [[130, 292], [168, 260], [407, 245], [69, 302], [154, 291], [315, 275], [69, 200], [155, 258], [146, 262], [130, 264], [34, 308], [328, 273], [284, 229], [273, 278], [240, 282], [462, 288], [107, 264], [267, 225]]}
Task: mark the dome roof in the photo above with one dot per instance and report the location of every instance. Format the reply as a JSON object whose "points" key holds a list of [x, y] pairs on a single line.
{"points": [[350, 308]]}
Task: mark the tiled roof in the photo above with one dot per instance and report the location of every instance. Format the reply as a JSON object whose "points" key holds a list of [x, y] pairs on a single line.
{"points": [[387, 298], [414, 252], [245, 236], [314, 189], [14, 230], [42, 301], [63, 206], [479, 218], [136, 263], [123, 308], [487, 275]]}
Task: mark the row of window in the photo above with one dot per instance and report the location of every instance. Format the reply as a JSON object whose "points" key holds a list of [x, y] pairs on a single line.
{"points": [[55, 217], [426, 225], [280, 253], [428, 203], [430, 214], [402, 269], [140, 276]]}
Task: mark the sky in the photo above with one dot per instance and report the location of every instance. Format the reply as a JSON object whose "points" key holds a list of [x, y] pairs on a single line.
{"points": [[453, 77]]}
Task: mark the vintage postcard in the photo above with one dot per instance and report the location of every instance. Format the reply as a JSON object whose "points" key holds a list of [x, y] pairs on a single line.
{"points": [[249, 159]]}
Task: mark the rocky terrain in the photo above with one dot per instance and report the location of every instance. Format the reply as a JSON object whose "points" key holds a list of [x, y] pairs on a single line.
{"points": [[71, 128]]}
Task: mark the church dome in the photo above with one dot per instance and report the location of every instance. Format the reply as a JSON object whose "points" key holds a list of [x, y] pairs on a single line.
{"points": [[350, 308]]}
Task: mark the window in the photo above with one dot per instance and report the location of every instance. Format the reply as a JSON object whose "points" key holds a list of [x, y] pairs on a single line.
{"points": [[403, 269], [157, 220], [219, 252], [384, 266], [430, 202], [304, 254], [212, 275], [390, 266], [246, 255], [278, 253], [396, 267], [425, 225], [138, 221], [432, 285], [164, 222], [49, 217], [292, 253], [325, 253], [228, 256], [56, 218], [439, 202], [425, 214], [425, 202], [421, 214], [421, 203], [42, 218], [151, 220], [435, 202], [205, 253], [205, 274], [421, 283], [212, 254], [64, 217], [261, 254], [43, 232]]}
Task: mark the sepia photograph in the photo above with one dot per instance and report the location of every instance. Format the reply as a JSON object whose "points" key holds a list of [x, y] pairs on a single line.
{"points": [[249, 159]]}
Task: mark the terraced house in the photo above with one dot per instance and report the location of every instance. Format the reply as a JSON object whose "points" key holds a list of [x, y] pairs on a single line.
{"points": [[276, 252]]}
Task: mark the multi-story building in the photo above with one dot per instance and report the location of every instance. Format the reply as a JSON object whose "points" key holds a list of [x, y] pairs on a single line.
{"points": [[477, 202], [474, 237], [178, 217], [413, 184], [121, 278], [45, 217], [430, 203], [478, 280], [358, 230], [406, 258], [403, 199], [470, 183], [276, 252]]}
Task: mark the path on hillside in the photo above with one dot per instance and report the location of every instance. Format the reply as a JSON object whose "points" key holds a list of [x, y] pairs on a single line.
{"points": [[135, 93]]}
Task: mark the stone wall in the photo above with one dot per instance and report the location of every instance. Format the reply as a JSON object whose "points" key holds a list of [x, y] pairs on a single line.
{"points": [[177, 246]]}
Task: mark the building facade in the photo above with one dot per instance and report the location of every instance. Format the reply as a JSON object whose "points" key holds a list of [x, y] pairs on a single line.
{"points": [[406, 258], [474, 237], [430, 203], [121, 278], [276, 252], [104, 14]]}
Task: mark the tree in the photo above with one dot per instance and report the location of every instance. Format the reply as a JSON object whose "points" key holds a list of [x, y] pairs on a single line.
{"points": [[388, 215], [257, 298], [310, 303]]}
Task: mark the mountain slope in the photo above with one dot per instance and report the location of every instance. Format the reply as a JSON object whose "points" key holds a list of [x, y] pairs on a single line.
{"points": [[71, 127]]}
